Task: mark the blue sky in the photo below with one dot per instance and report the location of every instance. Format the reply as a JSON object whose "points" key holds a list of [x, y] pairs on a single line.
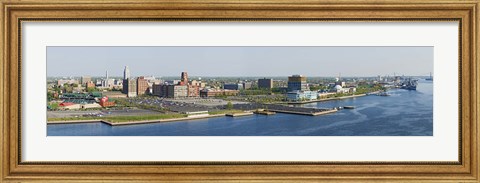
{"points": [[240, 61]]}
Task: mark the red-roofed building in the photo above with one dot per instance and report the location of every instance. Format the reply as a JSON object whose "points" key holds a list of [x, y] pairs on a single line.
{"points": [[64, 104], [105, 103]]}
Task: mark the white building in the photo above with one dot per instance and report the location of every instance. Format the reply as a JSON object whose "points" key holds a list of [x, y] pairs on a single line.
{"points": [[92, 105], [61, 82], [339, 89], [126, 73], [298, 95]]}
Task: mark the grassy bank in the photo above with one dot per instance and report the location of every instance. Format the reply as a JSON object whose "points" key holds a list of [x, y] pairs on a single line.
{"points": [[225, 111], [119, 119], [116, 119], [74, 118]]}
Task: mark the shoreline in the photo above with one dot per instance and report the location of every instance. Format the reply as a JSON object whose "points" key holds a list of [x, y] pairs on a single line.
{"points": [[74, 121], [204, 117], [247, 113], [307, 114], [133, 122], [161, 120]]}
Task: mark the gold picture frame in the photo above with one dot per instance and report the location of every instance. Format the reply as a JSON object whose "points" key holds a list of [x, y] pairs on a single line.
{"points": [[466, 169]]}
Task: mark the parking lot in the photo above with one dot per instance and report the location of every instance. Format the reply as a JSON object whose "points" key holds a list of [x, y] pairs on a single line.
{"points": [[173, 105], [181, 105], [204, 101], [99, 113]]}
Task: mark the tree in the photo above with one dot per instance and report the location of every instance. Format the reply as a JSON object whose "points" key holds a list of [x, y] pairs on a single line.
{"points": [[68, 89], [49, 96], [229, 105], [92, 89]]}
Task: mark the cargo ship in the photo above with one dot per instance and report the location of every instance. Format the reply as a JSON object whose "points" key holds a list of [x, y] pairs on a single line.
{"points": [[430, 78], [409, 84]]}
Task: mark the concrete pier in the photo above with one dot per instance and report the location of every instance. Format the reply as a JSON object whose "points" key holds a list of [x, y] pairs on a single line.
{"points": [[263, 112], [239, 114]]}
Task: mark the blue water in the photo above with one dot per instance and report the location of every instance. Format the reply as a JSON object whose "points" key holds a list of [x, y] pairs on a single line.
{"points": [[404, 113]]}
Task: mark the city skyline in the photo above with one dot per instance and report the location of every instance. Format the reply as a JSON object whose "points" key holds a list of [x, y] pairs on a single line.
{"points": [[240, 61]]}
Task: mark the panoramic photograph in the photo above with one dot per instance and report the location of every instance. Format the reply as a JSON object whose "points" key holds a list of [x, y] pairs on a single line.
{"points": [[239, 91]]}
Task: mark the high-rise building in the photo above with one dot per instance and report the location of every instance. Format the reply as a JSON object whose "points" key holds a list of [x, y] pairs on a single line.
{"points": [[142, 86], [126, 78], [193, 91], [106, 73], [265, 83], [131, 88], [184, 79], [176, 91], [159, 90], [125, 86], [247, 85], [106, 83], [297, 82], [86, 79], [126, 73]]}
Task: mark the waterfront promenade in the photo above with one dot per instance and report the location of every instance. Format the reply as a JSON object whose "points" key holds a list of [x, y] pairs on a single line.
{"points": [[403, 113], [246, 107], [289, 110]]}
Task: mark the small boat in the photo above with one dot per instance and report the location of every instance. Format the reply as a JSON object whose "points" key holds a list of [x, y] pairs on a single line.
{"points": [[383, 94], [349, 107]]}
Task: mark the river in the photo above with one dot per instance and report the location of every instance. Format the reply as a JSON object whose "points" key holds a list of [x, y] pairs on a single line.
{"points": [[403, 113]]}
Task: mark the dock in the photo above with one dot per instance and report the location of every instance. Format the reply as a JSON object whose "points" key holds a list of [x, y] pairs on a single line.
{"points": [[284, 109], [239, 114], [269, 112]]}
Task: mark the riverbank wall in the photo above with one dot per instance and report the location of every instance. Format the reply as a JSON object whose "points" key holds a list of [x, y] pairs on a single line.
{"points": [[306, 113]]}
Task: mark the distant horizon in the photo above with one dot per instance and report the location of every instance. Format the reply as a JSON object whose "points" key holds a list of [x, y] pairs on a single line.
{"points": [[267, 77], [252, 61]]}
